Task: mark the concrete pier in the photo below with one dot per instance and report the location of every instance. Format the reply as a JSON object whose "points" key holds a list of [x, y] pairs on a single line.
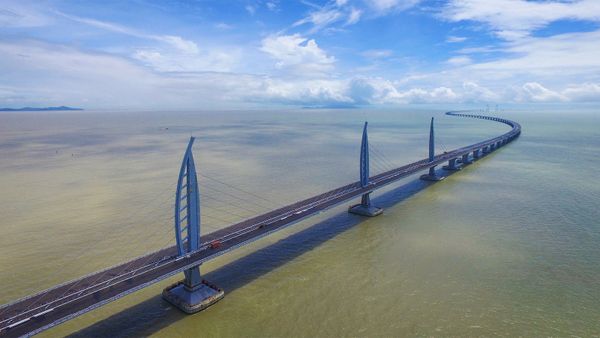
{"points": [[465, 159], [193, 299], [431, 176], [451, 165], [365, 210]]}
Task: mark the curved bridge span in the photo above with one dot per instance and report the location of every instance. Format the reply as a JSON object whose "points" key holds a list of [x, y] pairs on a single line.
{"points": [[38, 312]]}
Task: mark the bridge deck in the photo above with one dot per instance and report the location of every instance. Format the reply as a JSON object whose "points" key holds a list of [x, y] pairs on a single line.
{"points": [[51, 307]]}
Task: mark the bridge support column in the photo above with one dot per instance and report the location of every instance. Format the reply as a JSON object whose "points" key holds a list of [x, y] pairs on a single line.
{"points": [[486, 150], [193, 294], [476, 154], [365, 208], [465, 159], [431, 176], [451, 165]]}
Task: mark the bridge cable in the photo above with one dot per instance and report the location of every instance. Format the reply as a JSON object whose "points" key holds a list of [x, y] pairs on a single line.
{"points": [[87, 248], [241, 190], [96, 243], [238, 197], [170, 239], [379, 162], [246, 207], [382, 155]]}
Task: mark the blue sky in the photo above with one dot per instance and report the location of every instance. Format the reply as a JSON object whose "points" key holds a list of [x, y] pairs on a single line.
{"points": [[257, 53]]}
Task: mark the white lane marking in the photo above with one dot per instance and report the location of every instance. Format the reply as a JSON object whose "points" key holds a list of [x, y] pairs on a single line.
{"points": [[43, 313], [18, 323]]}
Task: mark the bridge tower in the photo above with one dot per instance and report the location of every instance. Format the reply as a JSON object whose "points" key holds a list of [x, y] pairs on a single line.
{"points": [[193, 294], [431, 176], [365, 208]]}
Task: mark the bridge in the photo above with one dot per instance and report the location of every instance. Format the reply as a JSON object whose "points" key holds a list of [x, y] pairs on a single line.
{"points": [[35, 313]]}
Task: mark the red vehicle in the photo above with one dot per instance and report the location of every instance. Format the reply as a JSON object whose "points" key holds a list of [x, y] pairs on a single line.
{"points": [[215, 244]]}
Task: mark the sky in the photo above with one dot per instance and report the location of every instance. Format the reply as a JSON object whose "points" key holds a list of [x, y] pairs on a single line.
{"points": [[235, 54]]}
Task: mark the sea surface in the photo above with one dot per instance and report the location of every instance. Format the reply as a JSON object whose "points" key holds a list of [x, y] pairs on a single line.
{"points": [[509, 246]]}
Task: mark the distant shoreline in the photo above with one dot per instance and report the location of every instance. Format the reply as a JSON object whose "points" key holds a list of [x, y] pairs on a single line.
{"points": [[61, 108]]}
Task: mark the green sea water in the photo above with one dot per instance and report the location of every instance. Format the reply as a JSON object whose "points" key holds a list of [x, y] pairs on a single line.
{"points": [[509, 246]]}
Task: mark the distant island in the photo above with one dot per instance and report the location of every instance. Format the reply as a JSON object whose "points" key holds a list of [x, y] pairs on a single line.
{"points": [[40, 109]]}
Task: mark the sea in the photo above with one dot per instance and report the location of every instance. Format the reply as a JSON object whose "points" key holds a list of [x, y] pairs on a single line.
{"points": [[508, 246]]}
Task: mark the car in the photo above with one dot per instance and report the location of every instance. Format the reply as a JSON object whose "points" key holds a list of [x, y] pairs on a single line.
{"points": [[215, 244]]}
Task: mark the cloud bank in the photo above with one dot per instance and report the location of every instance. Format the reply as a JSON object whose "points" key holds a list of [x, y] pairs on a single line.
{"points": [[288, 67]]}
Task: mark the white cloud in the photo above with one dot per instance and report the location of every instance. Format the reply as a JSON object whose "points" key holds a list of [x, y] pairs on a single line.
{"points": [[272, 6], [481, 49], [372, 90], [65, 75], [177, 42], [250, 9], [515, 19], [321, 18], [535, 92], [8, 96], [354, 16], [68, 76], [443, 94], [571, 53], [340, 11], [377, 53], [301, 92], [383, 6], [585, 92], [223, 26], [459, 60], [297, 54], [473, 92], [552, 62], [177, 54], [455, 39], [435, 95], [381, 91], [22, 15], [165, 61], [181, 44]]}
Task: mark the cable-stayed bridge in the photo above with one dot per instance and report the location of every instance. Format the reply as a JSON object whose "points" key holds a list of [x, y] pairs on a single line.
{"points": [[38, 312]]}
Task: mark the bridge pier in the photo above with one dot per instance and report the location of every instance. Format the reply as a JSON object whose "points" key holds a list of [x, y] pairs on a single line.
{"points": [[193, 294], [476, 154], [365, 208], [465, 159], [451, 165], [431, 175], [485, 150], [192, 299]]}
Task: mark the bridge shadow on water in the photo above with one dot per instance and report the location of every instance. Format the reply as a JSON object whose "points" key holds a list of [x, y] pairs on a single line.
{"points": [[154, 314]]}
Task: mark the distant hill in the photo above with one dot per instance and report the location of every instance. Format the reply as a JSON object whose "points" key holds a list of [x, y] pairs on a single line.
{"points": [[40, 109]]}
